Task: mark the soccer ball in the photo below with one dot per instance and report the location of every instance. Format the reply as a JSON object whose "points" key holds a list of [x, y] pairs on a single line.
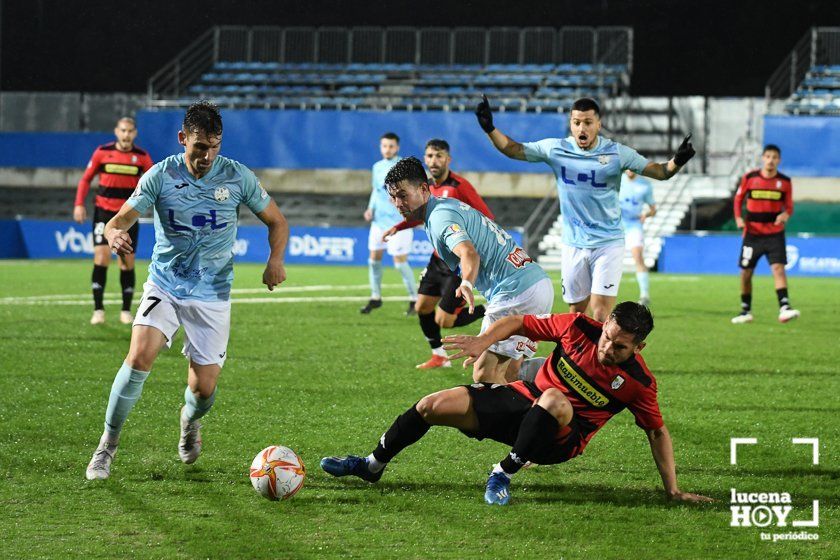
{"points": [[277, 472]]}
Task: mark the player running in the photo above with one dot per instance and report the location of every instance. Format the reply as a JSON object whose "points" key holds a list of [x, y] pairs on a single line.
{"points": [[196, 198], [489, 259], [588, 171], [382, 215], [119, 165], [769, 197], [636, 193], [594, 373], [438, 306]]}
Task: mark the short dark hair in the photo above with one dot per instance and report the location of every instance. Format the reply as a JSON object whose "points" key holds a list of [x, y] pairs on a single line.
{"points": [[772, 148], [408, 169], [633, 318], [438, 144], [586, 104], [203, 116], [390, 136]]}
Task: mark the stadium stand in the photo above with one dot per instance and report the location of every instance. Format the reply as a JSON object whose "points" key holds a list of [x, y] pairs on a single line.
{"points": [[426, 69], [809, 77]]}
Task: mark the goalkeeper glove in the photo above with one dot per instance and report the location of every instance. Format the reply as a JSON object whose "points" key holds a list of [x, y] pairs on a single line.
{"points": [[685, 152], [485, 116]]}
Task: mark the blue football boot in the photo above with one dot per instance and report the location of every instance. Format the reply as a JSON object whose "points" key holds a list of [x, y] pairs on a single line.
{"points": [[497, 489], [350, 465]]}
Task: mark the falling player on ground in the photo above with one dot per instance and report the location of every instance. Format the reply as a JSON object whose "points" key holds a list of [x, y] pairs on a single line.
{"points": [[594, 373]]}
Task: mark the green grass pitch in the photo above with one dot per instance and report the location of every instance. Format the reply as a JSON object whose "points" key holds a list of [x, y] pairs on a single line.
{"points": [[315, 375]]}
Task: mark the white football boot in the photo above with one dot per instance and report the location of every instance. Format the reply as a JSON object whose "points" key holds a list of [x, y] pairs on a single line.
{"points": [[787, 313], [742, 318], [126, 318], [99, 467], [189, 447], [98, 317]]}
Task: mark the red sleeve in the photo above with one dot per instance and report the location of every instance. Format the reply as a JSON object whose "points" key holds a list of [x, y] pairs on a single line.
{"points": [[147, 162], [408, 224], [547, 327], [84, 183], [739, 196], [645, 407], [789, 197], [467, 193]]}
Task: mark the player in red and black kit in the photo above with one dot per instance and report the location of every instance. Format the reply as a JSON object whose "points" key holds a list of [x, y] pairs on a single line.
{"points": [[594, 373], [437, 305], [119, 165], [769, 196]]}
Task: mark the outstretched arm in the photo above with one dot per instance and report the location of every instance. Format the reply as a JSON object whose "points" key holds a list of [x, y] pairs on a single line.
{"points": [[505, 144], [663, 454], [472, 346], [664, 171], [278, 237]]}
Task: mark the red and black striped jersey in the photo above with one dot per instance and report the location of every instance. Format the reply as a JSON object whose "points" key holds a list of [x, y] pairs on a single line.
{"points": [[597, 392], [119, 172], [767, 197]]}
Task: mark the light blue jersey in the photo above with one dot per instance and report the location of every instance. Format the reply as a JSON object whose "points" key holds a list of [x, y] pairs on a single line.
{"points": [[385, 214], [195, 224], [588, 182], [634, 194], [505, 270]]}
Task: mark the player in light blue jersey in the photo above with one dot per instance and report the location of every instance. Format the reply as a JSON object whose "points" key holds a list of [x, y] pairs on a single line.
{"points": [[588, 171], [196, 198], [383, 216], [637, 205], [489, 259]]}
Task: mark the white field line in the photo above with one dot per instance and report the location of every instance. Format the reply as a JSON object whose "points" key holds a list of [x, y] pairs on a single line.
{"points": [[321, 299], [278, 292]]}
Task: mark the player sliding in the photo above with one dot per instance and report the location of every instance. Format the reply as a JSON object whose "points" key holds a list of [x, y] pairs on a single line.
{"points": [[488, 257], [196, 197], [594, 373], [588, 169]]}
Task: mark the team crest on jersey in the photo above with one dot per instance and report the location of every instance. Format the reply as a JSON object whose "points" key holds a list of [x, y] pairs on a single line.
{"points": [[133, 159], [455, 228], [617, 383], [778, 184], [603, 160], [221, 194]]}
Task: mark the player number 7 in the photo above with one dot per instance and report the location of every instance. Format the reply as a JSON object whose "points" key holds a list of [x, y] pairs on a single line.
{"points": [[155, 301]]}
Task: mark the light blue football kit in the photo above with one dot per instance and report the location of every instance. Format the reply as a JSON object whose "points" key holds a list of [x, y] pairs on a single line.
{"points": [[195, 224], [634, 194], [386, 216], [191, 271], [588, 182], [510, 280]]}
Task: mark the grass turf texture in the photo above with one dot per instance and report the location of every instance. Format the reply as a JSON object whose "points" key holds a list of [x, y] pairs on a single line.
{"points": [[323, 379]]}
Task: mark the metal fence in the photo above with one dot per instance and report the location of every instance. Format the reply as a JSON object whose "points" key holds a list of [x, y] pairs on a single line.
{"points": [[819, 46], [32, 111], [366, 45]]}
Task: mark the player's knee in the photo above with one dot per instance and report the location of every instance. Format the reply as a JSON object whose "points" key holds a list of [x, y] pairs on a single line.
{"points": [[139, 360], [444, 321], [428, 407], [557, 405]]}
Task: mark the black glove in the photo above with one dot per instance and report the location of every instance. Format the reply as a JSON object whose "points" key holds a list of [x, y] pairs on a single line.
{"points": [[685, 152], [485, 116]]}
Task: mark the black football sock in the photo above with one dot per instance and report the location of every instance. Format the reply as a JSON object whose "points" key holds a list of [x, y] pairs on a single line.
{"points": [[746, 303], [127, 279], [406, 430], [97, 284], [782, 295], [537, 432], [431, 330], [465, 317]]}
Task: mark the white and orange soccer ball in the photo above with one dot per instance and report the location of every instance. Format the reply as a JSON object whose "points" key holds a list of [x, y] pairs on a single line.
{"points": [[277, 472]]}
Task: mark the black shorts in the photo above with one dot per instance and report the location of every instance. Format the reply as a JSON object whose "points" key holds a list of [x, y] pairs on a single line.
{"points": [[753, 247], [438, 281], [501, 409], [100, 218]]}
